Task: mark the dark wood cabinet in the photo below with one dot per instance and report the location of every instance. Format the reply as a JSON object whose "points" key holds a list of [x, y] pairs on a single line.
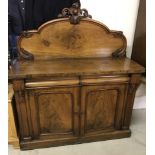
{"points": [[73, 83]]}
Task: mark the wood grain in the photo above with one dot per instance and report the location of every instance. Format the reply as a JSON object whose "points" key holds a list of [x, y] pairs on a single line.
{"points": [[51, 83], [103, 107], [51, 111], [133, 85], [60, 39], [104, 80], [55, 115], [100, 113], [73, 67], [73, 83], [19, 91]]}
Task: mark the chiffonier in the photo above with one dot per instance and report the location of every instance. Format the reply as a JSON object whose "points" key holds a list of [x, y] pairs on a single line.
{"points": [[73, 82]]}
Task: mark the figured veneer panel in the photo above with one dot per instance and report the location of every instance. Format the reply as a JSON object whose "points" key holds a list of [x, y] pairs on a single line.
{"points": [[55, 112], [60, 39], [101, 108]]}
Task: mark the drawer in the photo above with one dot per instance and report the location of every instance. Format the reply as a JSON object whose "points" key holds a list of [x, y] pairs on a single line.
{"points": [[51, 83], [104, 79]]}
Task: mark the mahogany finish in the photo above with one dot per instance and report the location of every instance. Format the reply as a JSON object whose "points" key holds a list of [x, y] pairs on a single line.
{"points": [[73, 83], [74, 67], [87, 39]]}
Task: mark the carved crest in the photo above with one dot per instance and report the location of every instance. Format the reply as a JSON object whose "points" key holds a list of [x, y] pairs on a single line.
{"points": [[75, 13], [74, 35]]}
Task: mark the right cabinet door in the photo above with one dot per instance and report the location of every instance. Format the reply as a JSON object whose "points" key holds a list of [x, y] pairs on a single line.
{"points": [[102, 108]]}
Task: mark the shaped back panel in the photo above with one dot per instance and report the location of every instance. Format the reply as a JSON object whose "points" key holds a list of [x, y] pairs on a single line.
{"points": [[61, 39]]}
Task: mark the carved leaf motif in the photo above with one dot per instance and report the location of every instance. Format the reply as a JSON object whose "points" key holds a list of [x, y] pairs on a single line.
{"points": [[75, 14]]}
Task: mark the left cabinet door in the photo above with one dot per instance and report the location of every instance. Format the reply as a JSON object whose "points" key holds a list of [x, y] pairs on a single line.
{"points": [[52, 111]]}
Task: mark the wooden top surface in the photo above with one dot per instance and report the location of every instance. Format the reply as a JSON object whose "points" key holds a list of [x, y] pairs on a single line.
{"points": [[74, 67]]}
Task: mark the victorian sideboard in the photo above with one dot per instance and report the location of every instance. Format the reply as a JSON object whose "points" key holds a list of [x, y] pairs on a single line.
{"points": [[73, 82]]}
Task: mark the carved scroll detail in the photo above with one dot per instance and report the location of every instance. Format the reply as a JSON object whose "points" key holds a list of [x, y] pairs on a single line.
{"points": [[27, 34], [119, 53], [69, 40], [75, 14], [26, 55], [122, 51], [23, 54]]}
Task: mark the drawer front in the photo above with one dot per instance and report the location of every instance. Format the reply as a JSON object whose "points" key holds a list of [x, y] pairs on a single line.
{"points": [[95, 80], [52, 83]]}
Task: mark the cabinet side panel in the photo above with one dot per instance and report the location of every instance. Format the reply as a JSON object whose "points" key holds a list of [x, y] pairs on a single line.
{"points": [[22, 111], [133, 85]]}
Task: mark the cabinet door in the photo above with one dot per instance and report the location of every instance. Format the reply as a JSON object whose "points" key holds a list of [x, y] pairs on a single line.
{"points": [[53, 111], [102, 108]]}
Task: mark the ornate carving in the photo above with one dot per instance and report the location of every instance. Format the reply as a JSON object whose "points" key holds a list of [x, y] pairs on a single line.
{"points": [[26, 55], [23, 54], [122, 51], [119, 53], [67, 42], [27, 34], [75, 14]]}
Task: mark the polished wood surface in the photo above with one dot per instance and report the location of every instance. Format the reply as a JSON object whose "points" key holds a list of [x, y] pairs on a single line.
{"points": [[60, 39], [102, 110], [98, 101], [12, 133], [56, 117], [52, 83], [73, 67], [104, 79], [135, 80], [73, 83]]}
